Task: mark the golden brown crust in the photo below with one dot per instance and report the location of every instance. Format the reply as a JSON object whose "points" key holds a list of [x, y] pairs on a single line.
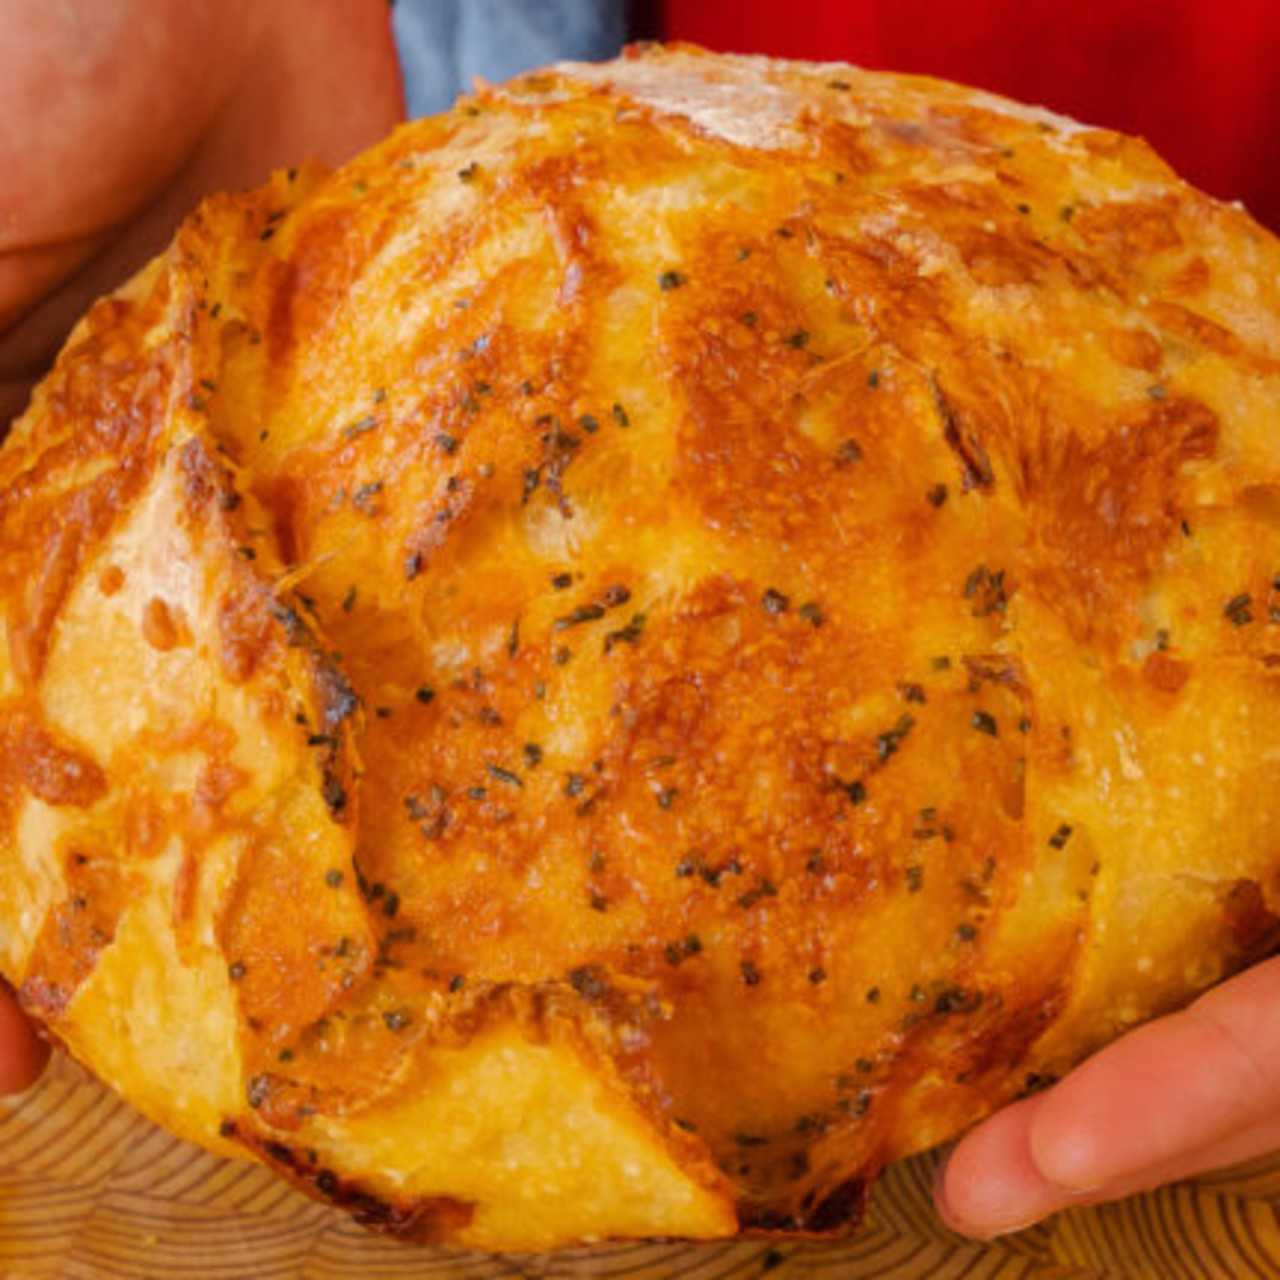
{"points": [[732, 601]]}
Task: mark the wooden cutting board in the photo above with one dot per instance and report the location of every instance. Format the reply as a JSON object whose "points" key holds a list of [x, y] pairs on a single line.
{"points": [[89, 1189]]}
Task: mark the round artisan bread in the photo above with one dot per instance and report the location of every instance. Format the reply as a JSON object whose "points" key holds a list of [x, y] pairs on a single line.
{"points": [[656, 642]]}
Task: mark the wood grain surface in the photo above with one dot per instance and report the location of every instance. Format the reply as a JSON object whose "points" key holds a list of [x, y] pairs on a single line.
{"points": [[90, 1189]]}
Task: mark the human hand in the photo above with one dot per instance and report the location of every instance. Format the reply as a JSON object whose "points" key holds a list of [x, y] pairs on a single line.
{"points": [[1194, 1091], [115, 119]]}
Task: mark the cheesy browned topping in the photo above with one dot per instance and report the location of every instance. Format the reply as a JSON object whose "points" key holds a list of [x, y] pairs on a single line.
{"points": [[656, 642]]}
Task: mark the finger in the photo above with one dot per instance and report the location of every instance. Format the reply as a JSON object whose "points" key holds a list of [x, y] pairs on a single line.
{"points": [[322, 84], [1196, 1091], [1168, 1093], [989, 1184], [22, 1052], [102, 103]]}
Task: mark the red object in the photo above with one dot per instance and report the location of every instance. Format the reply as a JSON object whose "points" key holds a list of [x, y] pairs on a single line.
{"points": [[1199, 79]]}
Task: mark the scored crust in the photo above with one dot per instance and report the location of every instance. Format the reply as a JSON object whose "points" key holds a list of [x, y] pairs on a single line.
{"points": [[654, 643]]}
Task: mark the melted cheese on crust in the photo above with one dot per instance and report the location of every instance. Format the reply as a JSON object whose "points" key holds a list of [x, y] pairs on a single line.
{"points": [[658, 641]]}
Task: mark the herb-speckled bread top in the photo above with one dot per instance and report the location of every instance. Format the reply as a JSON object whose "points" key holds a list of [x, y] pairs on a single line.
{"points": [[656, 642]]}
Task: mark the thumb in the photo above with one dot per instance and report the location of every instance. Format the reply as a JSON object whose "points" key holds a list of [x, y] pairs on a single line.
{"points": [[1190, 1092]]}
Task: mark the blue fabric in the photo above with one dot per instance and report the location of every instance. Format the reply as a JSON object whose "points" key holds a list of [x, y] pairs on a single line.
{"points": [[445, 43]]}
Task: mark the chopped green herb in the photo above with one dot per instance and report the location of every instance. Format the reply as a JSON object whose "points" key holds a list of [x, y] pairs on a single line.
{"points": [[675, 952], [955, 1000], [1238, 611], [987, 590], [578, 615], [764, 888], [985, 723], [888, 742], [363, 498], [360, 427], [630, 634]]}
